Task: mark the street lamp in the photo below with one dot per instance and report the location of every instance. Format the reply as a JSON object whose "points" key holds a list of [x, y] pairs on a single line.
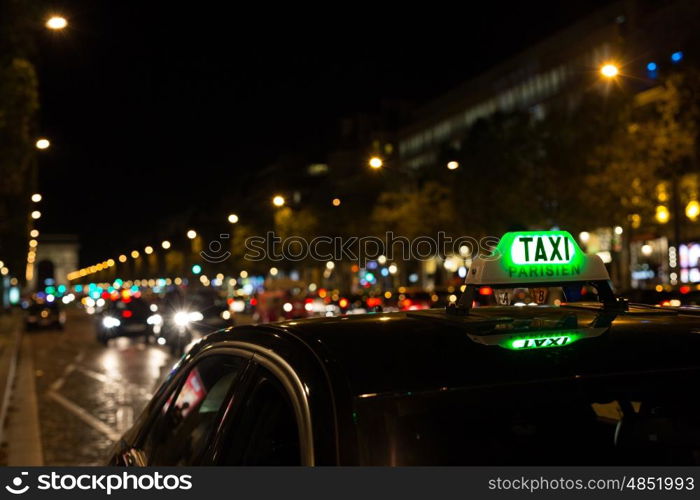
{"points": [[148, 250], [232, 218], [336, 202], [135, 254], [278, 201], [375, 162], [609, 70], [191, 234], [165, 244], [452, 165], [42, 143], [56, 23], [36, 214], [662, 214], [36, 197]]}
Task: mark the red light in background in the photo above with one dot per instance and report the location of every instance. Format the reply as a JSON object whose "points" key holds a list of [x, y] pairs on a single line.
{"points": [[485, 290], [127, 314], [343, 303], [684, 289], [374, 302], [253, 301]]}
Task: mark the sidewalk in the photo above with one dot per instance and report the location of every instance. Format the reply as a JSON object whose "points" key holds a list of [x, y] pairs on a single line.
{"points": [[10, 334]]}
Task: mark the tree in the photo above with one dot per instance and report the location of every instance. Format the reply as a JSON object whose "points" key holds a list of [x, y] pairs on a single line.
{"points": [[655, 142], [420, 211]]}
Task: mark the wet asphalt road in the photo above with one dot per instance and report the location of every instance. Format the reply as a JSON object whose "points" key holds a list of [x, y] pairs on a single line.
{"points": [[88, 394]]}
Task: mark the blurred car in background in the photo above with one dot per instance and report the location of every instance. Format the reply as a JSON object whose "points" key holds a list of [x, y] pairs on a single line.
{"points": [[181, 319], [128, 317], [43, 314]]}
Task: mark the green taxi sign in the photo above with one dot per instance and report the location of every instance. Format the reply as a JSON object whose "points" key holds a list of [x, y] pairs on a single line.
{"points": [[536, 257]]}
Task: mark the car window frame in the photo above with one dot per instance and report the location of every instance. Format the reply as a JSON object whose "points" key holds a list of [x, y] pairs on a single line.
{"points": [[294, 389], [177, 383]]}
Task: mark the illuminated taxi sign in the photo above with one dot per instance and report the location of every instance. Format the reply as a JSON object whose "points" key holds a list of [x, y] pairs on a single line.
{"points": [[536, 257], [542, 249]]}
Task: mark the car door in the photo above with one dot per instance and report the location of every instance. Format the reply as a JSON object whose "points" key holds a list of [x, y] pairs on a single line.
{"points": [[184, 423]]}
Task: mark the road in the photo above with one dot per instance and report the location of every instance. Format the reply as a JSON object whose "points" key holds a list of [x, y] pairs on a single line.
{"points": [[87, 394]]}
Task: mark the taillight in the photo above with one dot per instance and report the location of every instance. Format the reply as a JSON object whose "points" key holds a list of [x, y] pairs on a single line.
{"points": [[127, 314]]}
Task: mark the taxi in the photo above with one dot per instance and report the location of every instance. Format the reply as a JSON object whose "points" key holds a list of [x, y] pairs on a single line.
{"points": [[556, 370]]}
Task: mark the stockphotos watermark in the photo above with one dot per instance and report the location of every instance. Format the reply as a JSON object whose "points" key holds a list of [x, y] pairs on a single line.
{"points": [[106, 483], [358, 249]]}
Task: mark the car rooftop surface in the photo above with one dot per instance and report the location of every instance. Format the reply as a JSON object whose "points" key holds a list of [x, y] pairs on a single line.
{"points": [[395, 353]]}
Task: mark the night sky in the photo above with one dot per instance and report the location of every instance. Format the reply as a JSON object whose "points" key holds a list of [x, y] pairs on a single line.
{"points": [[152, 107]]}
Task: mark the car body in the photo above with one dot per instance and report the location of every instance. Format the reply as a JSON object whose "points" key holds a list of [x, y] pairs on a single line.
{"points": [[124, 318], [347, 381], [44, 315]]}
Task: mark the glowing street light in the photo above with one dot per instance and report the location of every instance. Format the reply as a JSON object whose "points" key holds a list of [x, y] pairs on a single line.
{"points": [[336, 202], [165, 244], [135, 254], [34, 233], [42, 143], [662, 214], [36, 197], [692, 210], [375, 162], [609, 70], [56, 23], [232, 218], [452, 165], [36, 214], [191, 234], [148, 250], [278, 201], [122, 258]]}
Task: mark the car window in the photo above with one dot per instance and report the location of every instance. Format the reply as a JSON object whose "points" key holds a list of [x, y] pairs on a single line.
{"points": [[266, 431], [184, 424]]}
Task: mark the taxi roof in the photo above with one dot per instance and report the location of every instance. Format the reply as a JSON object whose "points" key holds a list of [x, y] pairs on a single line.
{"points": [[395, 353]]}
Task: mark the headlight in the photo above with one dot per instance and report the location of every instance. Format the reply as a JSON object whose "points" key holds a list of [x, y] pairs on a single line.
{"points": [[183, 318], [225, 315], [110, 322], [155, 319]]}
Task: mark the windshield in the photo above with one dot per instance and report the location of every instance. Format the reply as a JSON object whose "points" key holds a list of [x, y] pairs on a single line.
{"points": [[617, 419]]}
